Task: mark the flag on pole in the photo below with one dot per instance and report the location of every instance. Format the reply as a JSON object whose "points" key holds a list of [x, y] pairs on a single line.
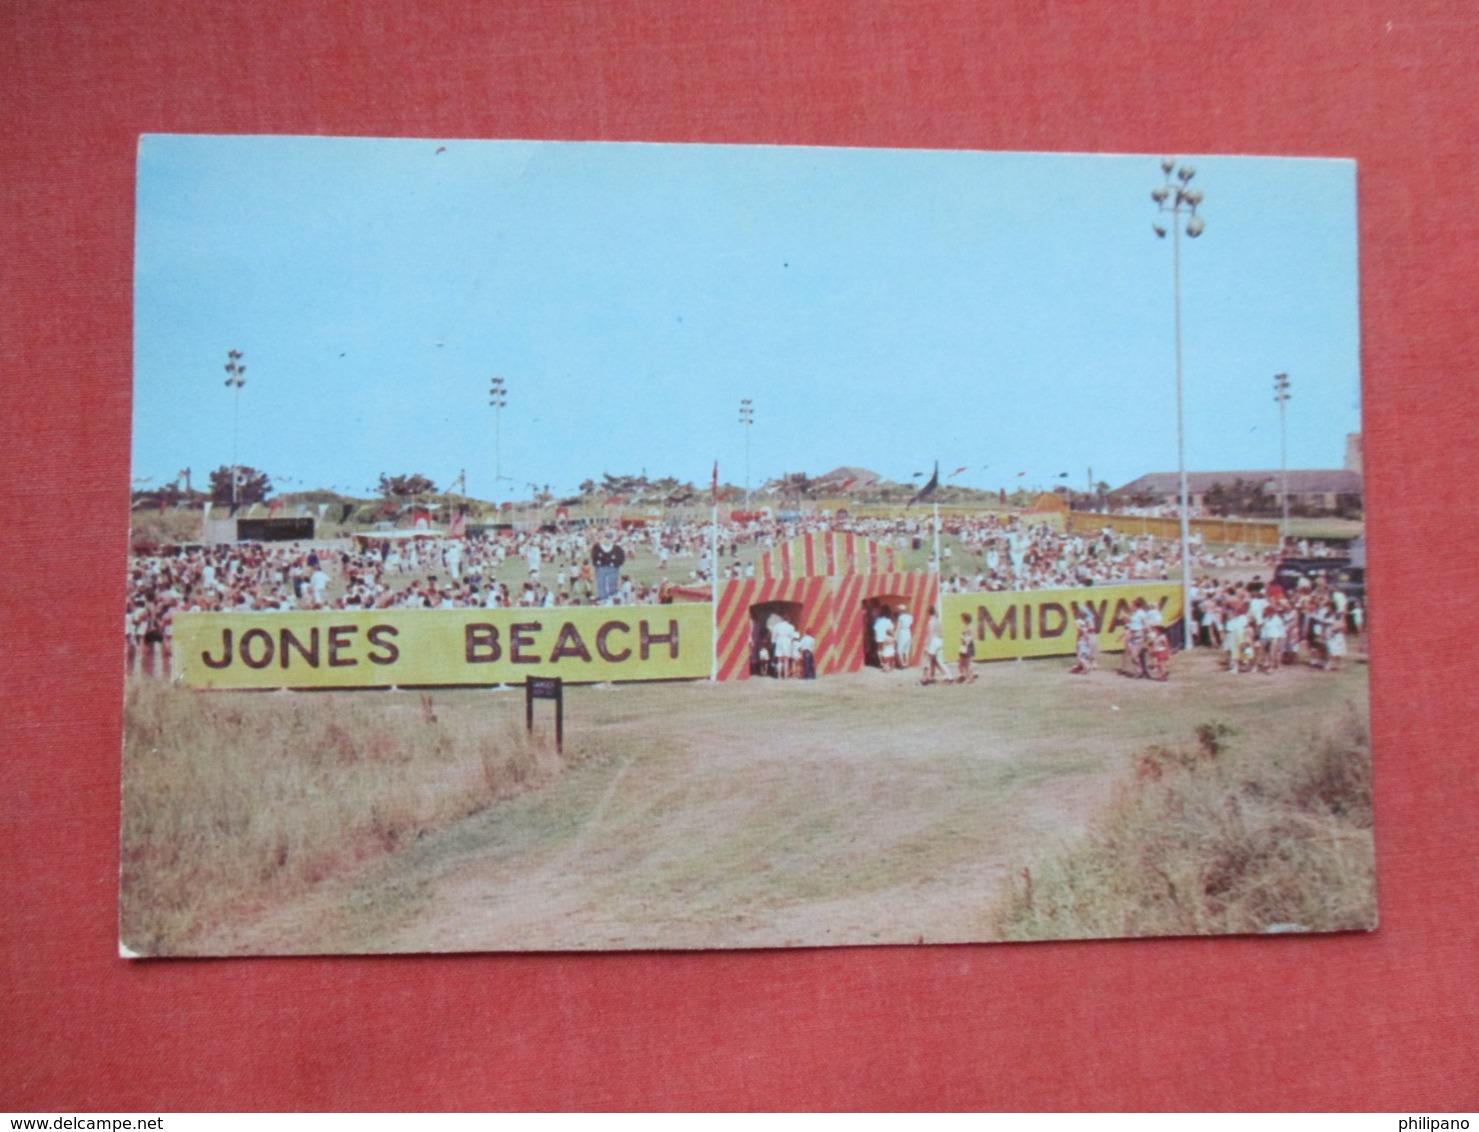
{"points": [[928, 489], [714, 577]]}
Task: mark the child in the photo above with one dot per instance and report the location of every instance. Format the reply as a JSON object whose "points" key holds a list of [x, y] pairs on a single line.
{"points": [[967, 654], [1087, 646], [1158, 650]]}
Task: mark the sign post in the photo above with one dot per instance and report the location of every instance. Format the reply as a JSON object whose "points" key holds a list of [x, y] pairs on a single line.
{"points": [[546, 688]]}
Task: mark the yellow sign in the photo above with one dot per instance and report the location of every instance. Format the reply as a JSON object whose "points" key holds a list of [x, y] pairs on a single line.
{"points": [[1042, 622], [409, 647]]}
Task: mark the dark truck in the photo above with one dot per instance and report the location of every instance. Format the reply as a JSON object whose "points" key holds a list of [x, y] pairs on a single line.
{"points": [[1341, 573]]}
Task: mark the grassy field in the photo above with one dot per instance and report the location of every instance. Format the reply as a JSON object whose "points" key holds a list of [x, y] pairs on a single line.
{"points": [[1229, 832], [242, 798], [858, 809]]}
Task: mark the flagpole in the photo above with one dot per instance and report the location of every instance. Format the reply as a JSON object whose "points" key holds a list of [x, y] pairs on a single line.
{"points": [[714, 594], [714, 580], [937, 539]]}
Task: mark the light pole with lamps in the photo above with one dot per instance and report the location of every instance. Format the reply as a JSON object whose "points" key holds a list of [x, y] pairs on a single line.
{"points": [[1281, 395], [747, 418], [235, 379], [498, 398], [1177, 198]]}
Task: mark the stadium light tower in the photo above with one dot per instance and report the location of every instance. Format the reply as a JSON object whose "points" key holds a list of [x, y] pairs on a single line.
{"points": [[498, 398], [1281, 395], [1177, 198], [235, 379], [747, 418]]}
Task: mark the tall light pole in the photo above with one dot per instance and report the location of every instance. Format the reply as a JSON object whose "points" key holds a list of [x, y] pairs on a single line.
{"points": [[235, 379], [1281, 395], [747, 418], [498, 398], [1177, 198]]}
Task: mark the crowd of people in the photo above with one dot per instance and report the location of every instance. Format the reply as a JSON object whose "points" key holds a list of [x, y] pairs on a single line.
{"points": [[781, 650], [637, 565], [1260, 627], [1256, 626]]}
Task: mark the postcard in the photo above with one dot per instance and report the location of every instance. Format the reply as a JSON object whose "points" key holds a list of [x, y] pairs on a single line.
{"points": [[554, 546]]}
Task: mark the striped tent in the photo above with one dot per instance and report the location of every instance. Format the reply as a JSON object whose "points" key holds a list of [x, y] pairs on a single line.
{"points": [[828, 554], [828, 578]]}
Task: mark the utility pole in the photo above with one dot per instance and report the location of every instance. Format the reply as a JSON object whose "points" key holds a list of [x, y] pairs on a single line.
{"points": [[1281, 395]]}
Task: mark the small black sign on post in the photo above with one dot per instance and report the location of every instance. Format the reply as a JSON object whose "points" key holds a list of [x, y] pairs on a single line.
{"points": [[546, 688]]}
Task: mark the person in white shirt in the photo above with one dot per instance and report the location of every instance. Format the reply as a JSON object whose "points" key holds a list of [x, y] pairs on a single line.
{"points": [[883, 635], [1233, 632], [934, 650], [903, 635], [1271, 641], [783, 639]]}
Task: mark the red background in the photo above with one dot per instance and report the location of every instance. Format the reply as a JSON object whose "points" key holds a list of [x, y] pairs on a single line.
{"points": [[1385, 1021]]}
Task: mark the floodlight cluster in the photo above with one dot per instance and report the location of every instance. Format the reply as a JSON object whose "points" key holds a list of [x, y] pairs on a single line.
{"points": [[1177, 197]]}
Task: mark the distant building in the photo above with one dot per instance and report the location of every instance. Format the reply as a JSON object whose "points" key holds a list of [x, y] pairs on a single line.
{"points": [[1353, 452], [1310, 489]]}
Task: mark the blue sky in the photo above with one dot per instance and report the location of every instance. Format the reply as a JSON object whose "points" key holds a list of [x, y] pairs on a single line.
{"points": [[882, 308]]}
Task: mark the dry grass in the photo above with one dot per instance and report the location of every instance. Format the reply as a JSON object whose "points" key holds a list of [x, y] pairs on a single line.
{"points": [[1227, 834], [230, 798], [177, 524]]}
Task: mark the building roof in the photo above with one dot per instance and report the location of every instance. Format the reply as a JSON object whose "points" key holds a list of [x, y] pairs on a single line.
{"points": [[1302, 481], [858, 475]]}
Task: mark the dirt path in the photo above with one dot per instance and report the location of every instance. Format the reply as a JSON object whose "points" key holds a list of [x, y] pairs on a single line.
{"points": [[861, 809]]}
